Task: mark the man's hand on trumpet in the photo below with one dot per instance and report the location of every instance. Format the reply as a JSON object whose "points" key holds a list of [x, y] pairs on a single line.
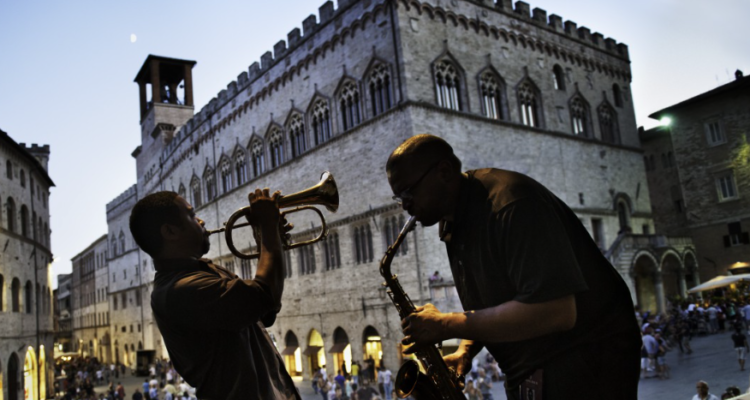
{"points": [[265, 216]]}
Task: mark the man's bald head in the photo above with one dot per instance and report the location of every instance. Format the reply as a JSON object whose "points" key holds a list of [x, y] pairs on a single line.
{"points": [[422, 150]]}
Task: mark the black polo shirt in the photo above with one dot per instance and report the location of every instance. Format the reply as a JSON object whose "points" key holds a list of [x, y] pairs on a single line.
{"points": [[210, 320], [512, 239]]}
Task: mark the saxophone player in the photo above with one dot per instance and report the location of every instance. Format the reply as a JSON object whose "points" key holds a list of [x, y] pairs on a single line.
{"points": [[536, 290]]}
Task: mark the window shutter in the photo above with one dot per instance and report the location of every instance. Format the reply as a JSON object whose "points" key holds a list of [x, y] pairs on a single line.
{"points": [[745, 238], [726, 241]]}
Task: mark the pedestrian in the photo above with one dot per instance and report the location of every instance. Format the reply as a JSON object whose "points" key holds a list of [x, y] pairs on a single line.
{"points": [[365, 392], [153, 393], [651, 347], [386, 374], [381, 389], [713, 321], [340, 379], [137, 395], [316, 380], [740, 346], [484, 384], [355, 372], [746, 316], [120, 391], [702, 388], [536, 290], [662, 369]]}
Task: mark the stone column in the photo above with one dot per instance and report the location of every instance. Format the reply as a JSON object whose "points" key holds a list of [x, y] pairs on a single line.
{"points": [[683, 284], [661, 303]]}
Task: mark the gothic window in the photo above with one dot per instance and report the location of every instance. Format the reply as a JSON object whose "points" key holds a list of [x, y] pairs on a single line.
{"points": [[617, 94], [391, 229], [579, 116], [256, 154], [10, 208], [530, 104], [33, 225], [246, 269], [15, 294], [226, 175], [276, 147], [363, 244], [24, 221], [331, 251], [23, 178], [240, 168], [492, 91], [182, 192], [296, 129], [195, 188], [448, 85], [608, 124], [306, 260], [9, 169], [558, 76], [380, 89], [210, 181], [349, 100], [27, 297], [321, 122], [122, 242], [113, 243]]}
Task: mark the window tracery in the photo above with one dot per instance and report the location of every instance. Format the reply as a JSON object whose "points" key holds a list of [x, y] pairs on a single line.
{"points": [[447, 83], [258, 159], [529, 103], [380, 89], [296, 129], [321, 122], [226, 175], [276, 147]]}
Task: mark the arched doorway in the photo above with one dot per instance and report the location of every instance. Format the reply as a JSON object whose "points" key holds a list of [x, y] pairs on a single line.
{"points": [[30, 380], [672, 276], [316, 357], [341, 351], [691, 270], [622, 206], [292, 354], [42, 373], [372, 351], [13, 384], [644, 273]]}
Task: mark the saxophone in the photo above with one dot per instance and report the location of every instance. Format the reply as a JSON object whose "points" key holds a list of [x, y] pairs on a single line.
{"points": [[439, 381]]}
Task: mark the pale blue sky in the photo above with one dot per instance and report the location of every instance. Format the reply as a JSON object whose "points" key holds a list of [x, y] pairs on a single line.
{"points": [[67, 69]]}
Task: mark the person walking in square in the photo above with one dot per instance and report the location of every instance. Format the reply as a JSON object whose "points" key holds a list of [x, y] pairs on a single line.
{"points": [[740, 346]]}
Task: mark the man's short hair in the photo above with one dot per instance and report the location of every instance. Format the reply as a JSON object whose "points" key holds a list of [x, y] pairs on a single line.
{"points": [[423, 147], [148, 216]]}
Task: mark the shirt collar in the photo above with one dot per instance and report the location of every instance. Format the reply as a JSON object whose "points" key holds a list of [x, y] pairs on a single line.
{"points": [[464, 197]]}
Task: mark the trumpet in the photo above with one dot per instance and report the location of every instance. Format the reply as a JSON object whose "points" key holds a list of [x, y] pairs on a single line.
{"points": [[324, 193]]}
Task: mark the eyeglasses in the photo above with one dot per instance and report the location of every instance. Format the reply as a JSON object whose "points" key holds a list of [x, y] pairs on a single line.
{"points": [[405, 194]]}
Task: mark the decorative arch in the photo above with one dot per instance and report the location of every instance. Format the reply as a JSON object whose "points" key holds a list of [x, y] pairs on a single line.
{"points": [[492, 92], [580, 115], [372, 345], [530, 103], [295, 128], [257, 156], [623, 206], [348, 98], [292, 354], [13, 377], [30, 380], [275, 140], [209, 182], [226, 174], [379, 86], [672, 273], [319, 115], [608, 123], [644, 272], [341, 350], [558, 77], [316, 356], [240, 165], [450, 82]]}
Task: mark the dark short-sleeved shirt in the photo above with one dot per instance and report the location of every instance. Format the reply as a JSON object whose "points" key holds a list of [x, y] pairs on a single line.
{"points": [[212, 323], [738, 339], [512, 239]]}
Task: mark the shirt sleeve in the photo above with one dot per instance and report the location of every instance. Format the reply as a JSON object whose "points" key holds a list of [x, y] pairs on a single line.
{"points": [[538, 253], [209, 301]]}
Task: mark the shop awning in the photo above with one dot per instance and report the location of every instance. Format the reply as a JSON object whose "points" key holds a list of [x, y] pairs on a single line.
{"points": [[338, 347], [311, 350], [289, 350], [719, 282]]}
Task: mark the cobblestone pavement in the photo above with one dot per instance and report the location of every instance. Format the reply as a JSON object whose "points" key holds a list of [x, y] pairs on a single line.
{"points": [[713, 360]]}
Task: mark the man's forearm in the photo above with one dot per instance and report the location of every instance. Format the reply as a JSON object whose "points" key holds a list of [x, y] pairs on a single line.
{"points": [[271, 266], [513, 321]]}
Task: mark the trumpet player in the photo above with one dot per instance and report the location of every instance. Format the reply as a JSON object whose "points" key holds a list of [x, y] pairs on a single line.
{"points": [[213, 323], [536, 290]]}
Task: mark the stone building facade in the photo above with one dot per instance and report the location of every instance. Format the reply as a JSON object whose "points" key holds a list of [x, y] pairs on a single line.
{"points": [[507, 86], [26, 325], [698, 173], [63, 314]]}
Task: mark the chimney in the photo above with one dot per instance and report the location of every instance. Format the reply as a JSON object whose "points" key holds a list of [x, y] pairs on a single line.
{"points": [[738, 75]]}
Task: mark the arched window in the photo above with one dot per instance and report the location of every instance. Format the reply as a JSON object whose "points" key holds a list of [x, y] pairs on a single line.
{"points": [[24, 221], [23, 178], [579, 117], [623, 216], [9, 170], [11, 214], [447, 85], [492, 90], [226, 175], [617, 94], [276, 146], [122, 242], [256, 154], [39, 229], [363, 244], [558, 76], [306, 260], [321, 122], [47, 233], [380, 89], [15, 293], [2, 293], [331, 251], [530, 104], [33, 225], [195, 189], [181, 191], [608, 124], [113, 244], [210, 181], [349, 103], [239, 167], [27, 295], [296, 129]]}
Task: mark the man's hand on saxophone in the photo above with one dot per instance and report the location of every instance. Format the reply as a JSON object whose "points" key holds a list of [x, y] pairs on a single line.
{"points": [[425, 326]]}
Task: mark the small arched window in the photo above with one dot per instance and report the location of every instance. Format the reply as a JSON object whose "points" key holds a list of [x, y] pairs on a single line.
{"points": [[306, 260], [33, 225], [530, 104], [380, 89], [113, 244], [239, 167], [321, 122], [10, 208], [226, 175], [27, 297], [617, 94], [608, 124], [623, 216], [492, 90], [256, 154], [24, 221], [363, 244], [349, 104], [331, 251], [276, 146], [123, 248], [9, 169], [558, 76], [447, 85], [15, 294], [210, 181], [296, 129], [22, 175], [579, 117], [195, 188]]}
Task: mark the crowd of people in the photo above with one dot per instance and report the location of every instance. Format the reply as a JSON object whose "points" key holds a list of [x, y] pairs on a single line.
{"points": [[368, 383]]}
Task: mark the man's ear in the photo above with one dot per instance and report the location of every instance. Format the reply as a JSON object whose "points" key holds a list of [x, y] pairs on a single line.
{"points": [[170, 232]]}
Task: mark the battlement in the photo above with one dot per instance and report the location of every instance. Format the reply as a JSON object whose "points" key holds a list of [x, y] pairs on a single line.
{"points": [[36, 149], [127, 194]]}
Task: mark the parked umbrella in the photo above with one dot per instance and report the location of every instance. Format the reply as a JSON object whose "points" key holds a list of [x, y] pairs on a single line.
{"points": [[719, 282]]}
